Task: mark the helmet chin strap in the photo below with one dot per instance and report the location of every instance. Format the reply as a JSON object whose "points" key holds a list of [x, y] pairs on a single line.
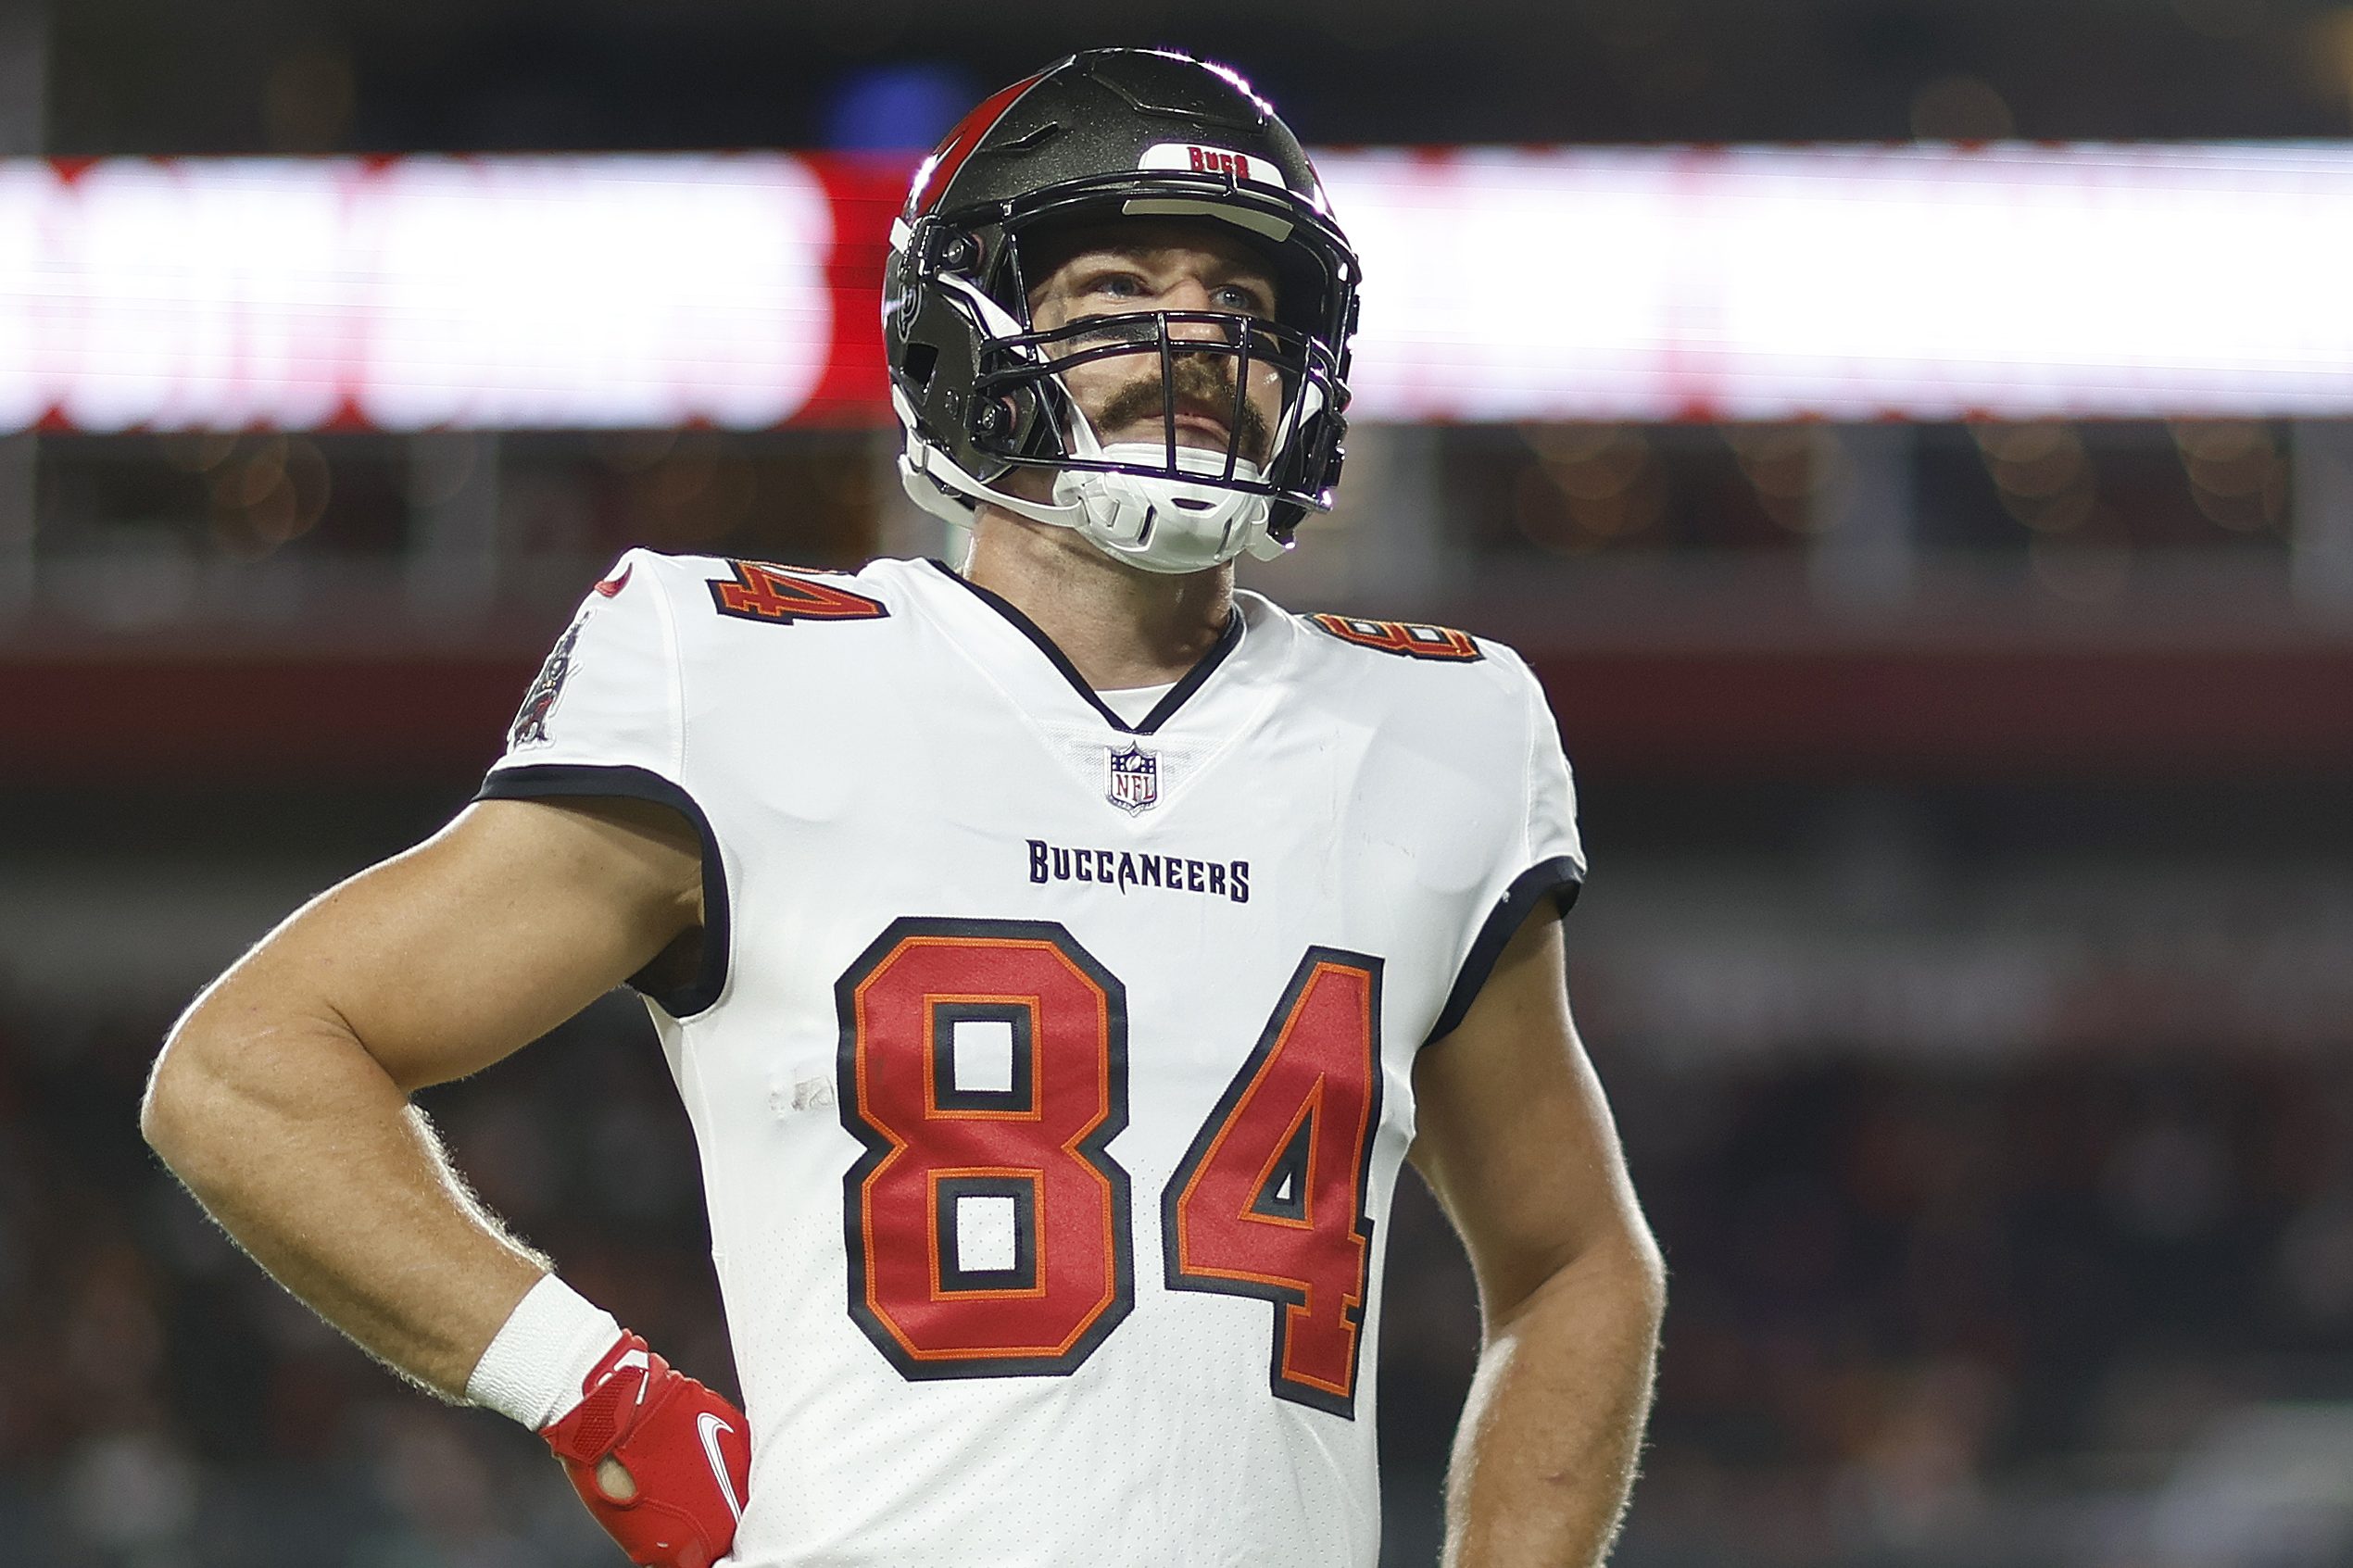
{"points": [[1152, 522], [923, 468], [1159, 523]]}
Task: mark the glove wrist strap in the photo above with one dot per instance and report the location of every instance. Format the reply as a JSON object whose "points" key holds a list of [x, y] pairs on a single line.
{"points": [[535, 1366]]}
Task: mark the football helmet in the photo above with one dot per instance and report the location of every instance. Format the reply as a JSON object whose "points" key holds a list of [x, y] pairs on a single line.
{"points": [[1103, 135]]}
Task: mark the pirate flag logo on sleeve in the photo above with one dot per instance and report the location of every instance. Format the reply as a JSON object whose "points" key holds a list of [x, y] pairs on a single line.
{"points": [[530, 727]]}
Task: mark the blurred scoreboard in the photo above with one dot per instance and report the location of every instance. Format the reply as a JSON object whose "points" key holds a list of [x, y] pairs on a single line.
{"points": [[1916, 281]]}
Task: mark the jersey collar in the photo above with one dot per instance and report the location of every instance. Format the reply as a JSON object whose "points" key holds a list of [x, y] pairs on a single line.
{"points": [[1164, 710]]}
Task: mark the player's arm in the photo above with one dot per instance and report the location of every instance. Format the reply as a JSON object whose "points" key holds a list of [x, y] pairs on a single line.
{"points": [[1515, 1140], [280, 1098]]}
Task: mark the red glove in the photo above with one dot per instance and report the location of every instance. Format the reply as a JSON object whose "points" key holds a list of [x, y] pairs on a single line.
{"points": [[687, 1449]]}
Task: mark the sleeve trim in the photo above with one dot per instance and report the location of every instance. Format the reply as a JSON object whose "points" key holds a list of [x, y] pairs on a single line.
{"points": [[1559, 878], [554, 780]]}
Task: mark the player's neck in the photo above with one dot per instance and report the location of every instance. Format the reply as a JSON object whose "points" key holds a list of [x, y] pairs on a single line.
{"points": [[1118, 626]]}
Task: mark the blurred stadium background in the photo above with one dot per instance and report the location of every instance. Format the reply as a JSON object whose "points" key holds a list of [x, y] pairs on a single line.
{"points": [[1909, 438]]}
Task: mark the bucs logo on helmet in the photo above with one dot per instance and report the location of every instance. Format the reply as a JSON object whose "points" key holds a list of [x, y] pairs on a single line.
{"points": [[530, 727]]}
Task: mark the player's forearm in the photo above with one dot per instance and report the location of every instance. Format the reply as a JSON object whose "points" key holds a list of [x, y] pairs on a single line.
{"points": [[297, 1142], [1547, 1449]]}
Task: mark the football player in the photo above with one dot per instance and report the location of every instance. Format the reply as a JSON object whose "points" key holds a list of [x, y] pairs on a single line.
{"points": [[1058, 956]]}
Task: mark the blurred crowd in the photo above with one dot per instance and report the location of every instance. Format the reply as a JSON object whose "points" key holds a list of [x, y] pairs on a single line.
{"points": [[1903, 1298], [1909, 1301]]}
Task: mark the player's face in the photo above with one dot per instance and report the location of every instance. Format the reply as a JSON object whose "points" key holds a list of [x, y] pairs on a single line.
{"points": [[1146, 265]]}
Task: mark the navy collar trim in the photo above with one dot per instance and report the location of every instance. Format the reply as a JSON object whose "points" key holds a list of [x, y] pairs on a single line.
{"points": [[1163, 710]]}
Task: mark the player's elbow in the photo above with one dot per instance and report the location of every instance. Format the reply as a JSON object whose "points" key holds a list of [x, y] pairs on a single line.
{"points": [[255, 1074], [184, 1115], [1622, 1248], [1614, 1265], [1644, 1268], [1622, 1259], [213, 1084], [1616, 1248]]}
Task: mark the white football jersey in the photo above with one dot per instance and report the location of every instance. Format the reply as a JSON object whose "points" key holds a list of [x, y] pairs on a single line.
{"points": [[1051, 1073]]}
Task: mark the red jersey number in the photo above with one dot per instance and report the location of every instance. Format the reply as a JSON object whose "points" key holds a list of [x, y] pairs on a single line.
{"points": [[984, 1066], [1270, 1199]]}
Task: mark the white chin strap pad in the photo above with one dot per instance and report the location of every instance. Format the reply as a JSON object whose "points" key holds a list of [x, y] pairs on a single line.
{"points": [[1164, 524], [1152, 522]]}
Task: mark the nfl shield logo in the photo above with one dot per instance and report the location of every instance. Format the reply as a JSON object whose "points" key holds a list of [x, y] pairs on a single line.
{"points": [[1135, 779]]}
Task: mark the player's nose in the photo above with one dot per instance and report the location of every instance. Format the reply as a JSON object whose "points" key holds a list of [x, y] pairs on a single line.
{"points": [[1189, 292]]}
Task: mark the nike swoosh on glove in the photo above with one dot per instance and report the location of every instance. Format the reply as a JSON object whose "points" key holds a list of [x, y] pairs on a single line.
{"points": [[688, 1450]]}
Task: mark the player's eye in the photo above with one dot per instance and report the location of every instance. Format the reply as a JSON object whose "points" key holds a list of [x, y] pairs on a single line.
{"points": [[1241, 298]]}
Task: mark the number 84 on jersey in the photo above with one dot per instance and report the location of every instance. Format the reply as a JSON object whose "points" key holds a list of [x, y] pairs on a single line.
{"points": [[982, 1066]]}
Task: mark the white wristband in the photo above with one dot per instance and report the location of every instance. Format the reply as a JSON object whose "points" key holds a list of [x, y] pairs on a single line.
{"points": [[546, 1349]]}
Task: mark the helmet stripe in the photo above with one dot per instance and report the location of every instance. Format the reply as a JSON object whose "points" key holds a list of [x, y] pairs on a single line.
{"points": [[933, 175]]}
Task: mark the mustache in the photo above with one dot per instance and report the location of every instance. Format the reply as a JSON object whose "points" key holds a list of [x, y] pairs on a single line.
{"points": [[1202, 386]]}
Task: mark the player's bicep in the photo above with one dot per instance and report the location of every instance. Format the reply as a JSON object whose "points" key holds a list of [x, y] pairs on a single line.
{"points": [[444, 959], [1514, 1134]]}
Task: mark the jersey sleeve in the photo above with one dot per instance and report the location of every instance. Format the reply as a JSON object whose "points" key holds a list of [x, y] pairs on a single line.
{"points": [[1543, 860], [608, 694], [606, 718]]}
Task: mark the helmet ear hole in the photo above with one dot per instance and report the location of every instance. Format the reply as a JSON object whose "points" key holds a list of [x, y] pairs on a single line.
{"points": [[919, 361]]}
